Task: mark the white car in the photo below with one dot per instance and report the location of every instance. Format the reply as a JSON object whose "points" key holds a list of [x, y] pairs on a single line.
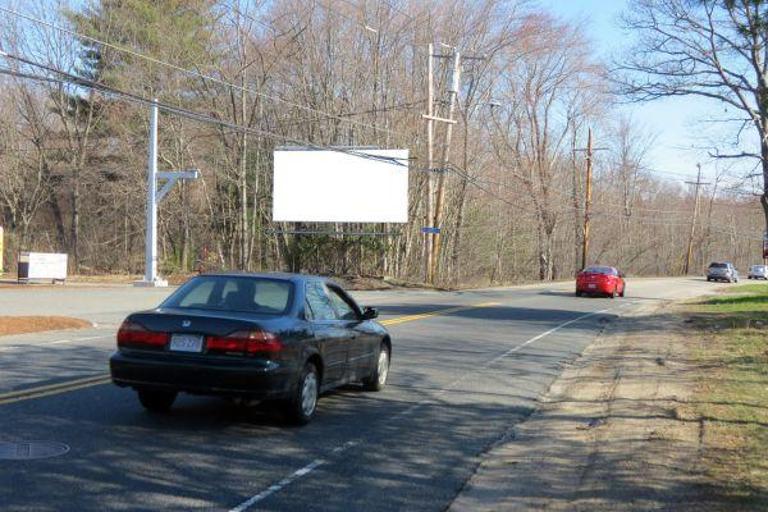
{"points": [[758, 272]]}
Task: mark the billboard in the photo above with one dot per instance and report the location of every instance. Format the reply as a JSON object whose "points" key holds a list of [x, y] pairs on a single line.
{"points": [[350, 185]]}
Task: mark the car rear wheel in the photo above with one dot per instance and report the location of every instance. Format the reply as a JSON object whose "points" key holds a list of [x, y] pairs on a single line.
{"points": [[301, 408], [155, 400], [378, 379], [613, 293], [623, 291], [578, 293]]}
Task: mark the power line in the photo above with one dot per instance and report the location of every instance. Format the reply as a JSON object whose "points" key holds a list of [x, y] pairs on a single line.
{"points": [[190, 72], [183, 112], [189, 114]]}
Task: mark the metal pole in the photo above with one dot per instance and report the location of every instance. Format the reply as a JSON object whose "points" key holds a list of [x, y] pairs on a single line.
{"points": [[430, 164], [150, 260], [453, 94], [587, 202]]}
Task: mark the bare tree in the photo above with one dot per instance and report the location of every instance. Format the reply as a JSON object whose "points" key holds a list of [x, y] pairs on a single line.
{"points": [[713, 49]]}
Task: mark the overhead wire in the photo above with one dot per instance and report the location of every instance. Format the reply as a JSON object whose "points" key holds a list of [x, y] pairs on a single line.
{"points": [[72, 79], [183, 112], [191, 72]]}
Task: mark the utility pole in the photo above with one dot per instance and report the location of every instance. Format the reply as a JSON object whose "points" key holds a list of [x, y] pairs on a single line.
{"points": [[436, 198], [154, 196], [587, 202], [452, 95], [587, 197], [430, 162], [697, 184]]}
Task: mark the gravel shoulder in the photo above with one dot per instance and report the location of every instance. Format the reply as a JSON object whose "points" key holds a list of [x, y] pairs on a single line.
{"points": [[611, 434]]}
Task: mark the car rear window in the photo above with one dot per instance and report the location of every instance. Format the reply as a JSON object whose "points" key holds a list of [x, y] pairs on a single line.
{"points": [[718, 265], [228, 293], [609, 271]]}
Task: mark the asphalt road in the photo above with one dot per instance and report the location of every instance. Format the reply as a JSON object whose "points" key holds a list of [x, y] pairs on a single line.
{"points": [[462, 377]]}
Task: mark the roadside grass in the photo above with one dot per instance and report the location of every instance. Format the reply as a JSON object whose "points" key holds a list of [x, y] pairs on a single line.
{"points": [[731, 399]]}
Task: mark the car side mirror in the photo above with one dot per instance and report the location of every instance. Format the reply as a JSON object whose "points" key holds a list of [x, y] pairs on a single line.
{"points": [[370, 313]]}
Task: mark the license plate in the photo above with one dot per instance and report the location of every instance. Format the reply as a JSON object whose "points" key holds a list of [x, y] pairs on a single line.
{"points": [[186, 343], [592, 286]]}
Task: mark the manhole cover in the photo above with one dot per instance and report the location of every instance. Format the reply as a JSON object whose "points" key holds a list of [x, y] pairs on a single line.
{"points": [[32, 450]]}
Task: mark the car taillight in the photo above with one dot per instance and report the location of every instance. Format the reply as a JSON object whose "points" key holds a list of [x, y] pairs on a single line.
{"points": [[133, 334], [245, 342]]}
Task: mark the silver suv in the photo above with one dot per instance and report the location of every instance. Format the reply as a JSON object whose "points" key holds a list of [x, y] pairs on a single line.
{"points": [[722, 272], [758, 272]]}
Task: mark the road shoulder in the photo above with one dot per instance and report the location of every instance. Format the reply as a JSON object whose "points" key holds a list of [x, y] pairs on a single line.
{"points": [[609, 434]]}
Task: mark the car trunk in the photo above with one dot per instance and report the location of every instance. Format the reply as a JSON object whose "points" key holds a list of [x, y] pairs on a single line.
{"points": [[195, 321]]}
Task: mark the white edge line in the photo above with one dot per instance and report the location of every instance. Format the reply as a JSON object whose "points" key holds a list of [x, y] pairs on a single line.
{"points": [[272, 489], [279, 486]]}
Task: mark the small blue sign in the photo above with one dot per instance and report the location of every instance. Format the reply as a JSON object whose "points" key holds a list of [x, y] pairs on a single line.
{"points": [[434, 231]]}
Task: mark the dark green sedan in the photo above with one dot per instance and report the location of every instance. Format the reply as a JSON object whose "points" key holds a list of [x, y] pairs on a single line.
{"points": [[277, 337]]}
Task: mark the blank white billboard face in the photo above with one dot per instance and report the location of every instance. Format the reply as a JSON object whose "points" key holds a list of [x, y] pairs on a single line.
{"points": [[331, 186]]}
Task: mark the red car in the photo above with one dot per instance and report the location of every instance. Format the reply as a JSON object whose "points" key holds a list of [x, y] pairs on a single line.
{"points": [[600, 280]]}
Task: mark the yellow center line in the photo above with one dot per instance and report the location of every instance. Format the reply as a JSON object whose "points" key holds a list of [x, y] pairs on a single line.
{"points": [[98, 380], [422, 316], [53, 389]]}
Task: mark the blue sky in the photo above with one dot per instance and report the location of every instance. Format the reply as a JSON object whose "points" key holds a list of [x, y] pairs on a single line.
{"points": [[677, 123]]}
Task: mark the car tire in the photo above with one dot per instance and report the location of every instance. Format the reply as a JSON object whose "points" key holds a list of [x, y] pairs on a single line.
{"points": [[623, 291], [378, 379], [302, 406], [613, 293], [578, 293], [155, 400]]}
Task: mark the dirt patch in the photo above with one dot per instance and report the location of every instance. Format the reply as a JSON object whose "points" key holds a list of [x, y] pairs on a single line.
{"points": [[26, 324]]}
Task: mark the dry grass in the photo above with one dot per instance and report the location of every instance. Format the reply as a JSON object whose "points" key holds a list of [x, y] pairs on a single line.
{"points": [[731, 398], [26, 324]]}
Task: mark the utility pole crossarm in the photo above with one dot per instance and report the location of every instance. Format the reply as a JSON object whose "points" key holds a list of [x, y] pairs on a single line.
{"points": [[439, 119]]}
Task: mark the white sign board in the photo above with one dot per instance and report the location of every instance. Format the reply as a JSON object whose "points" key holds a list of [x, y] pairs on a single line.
{"points": [[357, 185], [47, 266]]}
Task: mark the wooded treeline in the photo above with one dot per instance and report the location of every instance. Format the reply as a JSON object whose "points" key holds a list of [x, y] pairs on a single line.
{"points": [[249, 76]]}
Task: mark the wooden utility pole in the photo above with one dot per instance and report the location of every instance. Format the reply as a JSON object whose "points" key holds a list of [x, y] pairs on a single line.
{"points": [[697, 184], [430, 163], [587, 197], [587, 202], [440, 194]]}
